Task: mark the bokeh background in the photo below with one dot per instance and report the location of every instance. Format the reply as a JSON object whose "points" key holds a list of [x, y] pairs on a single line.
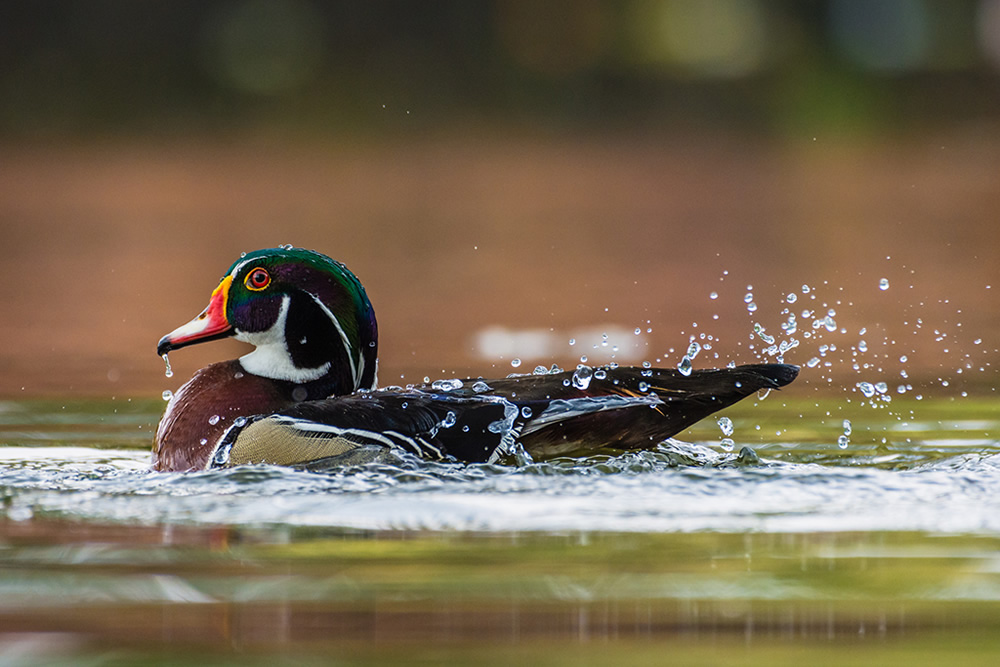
{"points": [[506, 177]]}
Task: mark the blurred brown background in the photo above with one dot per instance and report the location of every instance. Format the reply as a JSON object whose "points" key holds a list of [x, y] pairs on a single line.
{"points": [[557, 170]]}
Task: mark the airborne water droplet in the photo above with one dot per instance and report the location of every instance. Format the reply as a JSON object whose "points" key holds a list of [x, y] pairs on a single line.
{"points": [[515, 362], [726, 424], [526, 412], [214, 419], [685, 366], [727, 444], [883, 284], [449, 420], [582, 376], [167, 394], [169, 372]]}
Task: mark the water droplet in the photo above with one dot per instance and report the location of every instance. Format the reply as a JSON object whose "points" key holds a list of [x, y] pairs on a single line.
{"points": [[167, 394], [515, 362], [169, 372], [758, 329], [449, 420], [843, 441], [748, 297], [572, 341], [480, 386], [644, 386], [637, 331], [600, 374], [685, 366], [240, 421], [752, 307], [713, 295], [526, 412], [238, 374], [727, 444], [203, 441], [693, 349], [726, 424], [446, 385], [883, 284], [862, 346], [582, 376], [867, 388], [214, 419], [805, 289], [813, 363], [847, 427], [791, 298]]}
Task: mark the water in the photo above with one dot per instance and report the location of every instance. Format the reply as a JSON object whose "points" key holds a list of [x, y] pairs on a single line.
{"points": [[785, 541], [923, 466]]}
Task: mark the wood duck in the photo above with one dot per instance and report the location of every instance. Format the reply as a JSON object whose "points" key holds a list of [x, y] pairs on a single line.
{"points": [[306, 395]]}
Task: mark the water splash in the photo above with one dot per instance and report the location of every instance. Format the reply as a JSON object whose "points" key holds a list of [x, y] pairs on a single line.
{"points": [[686, 365], [446, 385], [169, 372], [582, 376], [844, 438]]}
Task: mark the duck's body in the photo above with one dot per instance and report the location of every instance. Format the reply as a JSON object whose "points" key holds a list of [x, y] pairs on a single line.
{"points": [[307, 393]]}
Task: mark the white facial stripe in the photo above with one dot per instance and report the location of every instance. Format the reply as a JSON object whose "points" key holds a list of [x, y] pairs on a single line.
{"points": [[343, 338], [271, 359], [237, 267]]}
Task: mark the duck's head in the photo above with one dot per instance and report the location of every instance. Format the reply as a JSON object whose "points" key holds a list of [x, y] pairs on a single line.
{"points": [[307, 315]]}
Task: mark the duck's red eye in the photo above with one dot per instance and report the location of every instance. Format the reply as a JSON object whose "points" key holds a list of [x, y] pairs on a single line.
{"points": [[257, 279]]}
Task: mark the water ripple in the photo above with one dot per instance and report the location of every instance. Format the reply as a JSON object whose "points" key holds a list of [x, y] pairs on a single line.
{"points": [[678, 487]]}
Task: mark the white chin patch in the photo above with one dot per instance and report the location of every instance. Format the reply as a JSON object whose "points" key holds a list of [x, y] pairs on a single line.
{"points": [[271, 358]]}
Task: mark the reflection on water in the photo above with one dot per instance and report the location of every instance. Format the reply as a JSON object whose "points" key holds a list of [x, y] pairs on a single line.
{"points": [[874, 549]]}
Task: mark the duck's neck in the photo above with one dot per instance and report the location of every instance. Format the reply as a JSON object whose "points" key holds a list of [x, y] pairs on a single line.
{"points": [[312, 350]]}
